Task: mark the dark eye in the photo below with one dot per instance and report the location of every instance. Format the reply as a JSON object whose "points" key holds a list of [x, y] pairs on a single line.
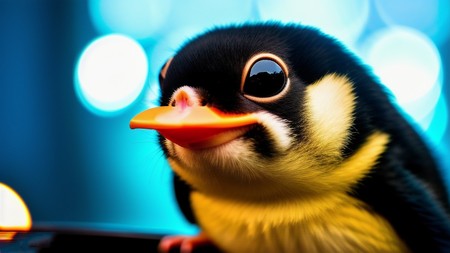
{"points": [[265, 79]]}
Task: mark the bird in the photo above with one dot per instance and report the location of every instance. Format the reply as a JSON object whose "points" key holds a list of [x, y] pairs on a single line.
{"points": [[283, 140]]}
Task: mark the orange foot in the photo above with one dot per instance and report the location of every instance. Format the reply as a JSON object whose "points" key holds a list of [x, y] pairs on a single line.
{"points": [[186, 244]]}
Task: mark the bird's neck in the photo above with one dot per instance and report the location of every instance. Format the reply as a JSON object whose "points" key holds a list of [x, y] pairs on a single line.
{"points": [[328, 223]]}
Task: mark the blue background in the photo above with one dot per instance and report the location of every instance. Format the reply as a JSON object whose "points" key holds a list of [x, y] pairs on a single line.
{"points": [[78, 167]]}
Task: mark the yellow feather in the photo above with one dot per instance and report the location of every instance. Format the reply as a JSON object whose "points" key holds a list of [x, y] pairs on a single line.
{"points": [[329, 107], [330, 221]]}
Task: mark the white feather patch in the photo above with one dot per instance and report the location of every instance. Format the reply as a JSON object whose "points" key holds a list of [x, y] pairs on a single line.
{"points": [[277, 128]]}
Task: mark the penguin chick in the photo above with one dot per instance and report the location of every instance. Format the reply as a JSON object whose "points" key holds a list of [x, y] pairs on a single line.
{"points": [[282, 141]]}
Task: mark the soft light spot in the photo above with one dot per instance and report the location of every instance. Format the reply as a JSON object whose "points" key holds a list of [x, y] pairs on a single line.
{"points": [[139, 19], [342, 19], [111, 73], [428, 16], [409, 65], [14, 214], [207, 13]]}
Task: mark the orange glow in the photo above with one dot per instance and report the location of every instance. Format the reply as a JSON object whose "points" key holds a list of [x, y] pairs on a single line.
{"points": [[14, 214], [7, 236]]}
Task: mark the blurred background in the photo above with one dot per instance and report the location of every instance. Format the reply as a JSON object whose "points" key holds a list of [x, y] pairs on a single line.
{"points": [[73, 73]]}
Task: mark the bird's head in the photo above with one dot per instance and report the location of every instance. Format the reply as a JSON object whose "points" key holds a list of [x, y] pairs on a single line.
{"points": [[261, 110]]}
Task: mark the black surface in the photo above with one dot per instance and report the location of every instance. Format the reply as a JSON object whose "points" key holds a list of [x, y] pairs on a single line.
{"points": [[86, 241], [46, 242]]}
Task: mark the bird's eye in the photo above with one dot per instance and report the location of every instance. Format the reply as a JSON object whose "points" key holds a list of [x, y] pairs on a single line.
{"points": [[265, 79]]}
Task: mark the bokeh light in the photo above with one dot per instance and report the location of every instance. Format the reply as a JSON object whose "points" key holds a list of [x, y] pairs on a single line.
{"points": [[139, 19], [422, 109], [207, 14], [14, 214], [342, 19], [431, 17], [111, 73], [408, 63]]}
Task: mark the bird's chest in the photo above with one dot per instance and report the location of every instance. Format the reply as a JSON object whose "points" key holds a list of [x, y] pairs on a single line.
{"points": [[336, 223]]}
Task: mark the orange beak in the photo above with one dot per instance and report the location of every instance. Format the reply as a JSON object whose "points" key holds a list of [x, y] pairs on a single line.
{"points": [[194, 127]]}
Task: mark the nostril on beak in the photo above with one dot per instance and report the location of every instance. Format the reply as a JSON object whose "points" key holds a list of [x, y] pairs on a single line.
{"points": [[183, 100], [185, 97]]}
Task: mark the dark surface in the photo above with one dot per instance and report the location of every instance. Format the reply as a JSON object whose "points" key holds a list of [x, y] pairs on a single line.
{"points": [[46, 242], [85, 241]]}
